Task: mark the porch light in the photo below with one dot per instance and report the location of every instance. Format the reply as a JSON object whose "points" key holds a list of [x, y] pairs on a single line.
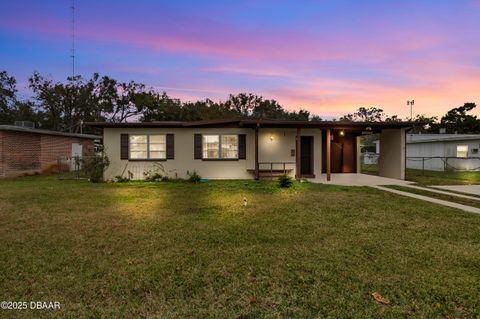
{"points": [[271, 138], [342, 133]]}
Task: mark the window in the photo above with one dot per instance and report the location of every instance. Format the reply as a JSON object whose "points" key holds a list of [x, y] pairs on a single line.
{"points": [[147, 147], [462, 150], [220, 146], [229, 146]]}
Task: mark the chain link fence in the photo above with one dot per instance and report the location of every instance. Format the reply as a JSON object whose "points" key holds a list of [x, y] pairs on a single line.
{"points": [[444, 163], [369, 163], [71, 167]]}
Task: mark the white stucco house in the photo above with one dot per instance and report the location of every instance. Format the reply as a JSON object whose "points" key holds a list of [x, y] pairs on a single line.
{"points": [[249, 148], [441, 152]]}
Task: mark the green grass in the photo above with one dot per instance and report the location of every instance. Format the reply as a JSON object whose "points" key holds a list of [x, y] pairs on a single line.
{"points": [[370, 169], [179, 250], [443, 178], [432, 177], [449, 198]]}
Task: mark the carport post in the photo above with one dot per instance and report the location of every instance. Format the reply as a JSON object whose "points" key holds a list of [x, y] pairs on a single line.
{"points": [[257, 176], [328, 156], [297, 154]]}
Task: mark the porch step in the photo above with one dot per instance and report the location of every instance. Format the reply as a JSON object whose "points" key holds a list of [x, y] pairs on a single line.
{"points": [[270, 174]]}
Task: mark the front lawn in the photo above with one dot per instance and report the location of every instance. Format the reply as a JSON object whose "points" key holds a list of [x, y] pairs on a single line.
{"points": [[194, 251], [443, 178], [426, 177]]}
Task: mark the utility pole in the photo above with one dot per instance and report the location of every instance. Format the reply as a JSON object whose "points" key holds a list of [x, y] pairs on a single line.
{"points": [[72, 80], [411, 103], [73, 39]]}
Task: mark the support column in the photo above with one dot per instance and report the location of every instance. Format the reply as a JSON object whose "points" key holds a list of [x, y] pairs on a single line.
{"points": [[391, 163], [297, 154], [256, 153], [358, 158], [328, 155]]}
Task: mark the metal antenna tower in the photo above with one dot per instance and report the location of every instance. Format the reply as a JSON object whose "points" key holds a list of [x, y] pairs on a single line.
{"points": [[73, 39]]}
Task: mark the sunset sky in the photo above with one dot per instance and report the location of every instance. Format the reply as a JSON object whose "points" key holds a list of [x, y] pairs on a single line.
{"points": [[329, 57]]}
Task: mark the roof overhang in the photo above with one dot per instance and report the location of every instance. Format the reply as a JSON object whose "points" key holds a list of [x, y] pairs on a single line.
{"points": [[46, 132], [251, 123]]}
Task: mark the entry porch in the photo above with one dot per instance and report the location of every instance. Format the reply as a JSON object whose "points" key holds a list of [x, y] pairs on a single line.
{"points": [[319, 150]]}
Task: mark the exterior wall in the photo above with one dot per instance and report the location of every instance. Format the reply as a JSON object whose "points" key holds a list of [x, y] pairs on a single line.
{"points": [[275, 145], [443, 149], [28, 153], [358, 142], [54, 147], [427, 150], [392, 157]]}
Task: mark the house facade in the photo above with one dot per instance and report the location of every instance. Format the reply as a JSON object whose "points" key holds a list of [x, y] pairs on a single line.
{"points": [[25, 151], [245, 149]]}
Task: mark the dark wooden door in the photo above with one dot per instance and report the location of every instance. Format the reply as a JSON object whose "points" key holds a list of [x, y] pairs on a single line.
{"points": [[343, 153], [337, 157], [306, 155]]}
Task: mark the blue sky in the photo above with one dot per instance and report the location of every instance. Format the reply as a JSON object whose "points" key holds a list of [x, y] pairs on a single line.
{"points": [[329, 57]]}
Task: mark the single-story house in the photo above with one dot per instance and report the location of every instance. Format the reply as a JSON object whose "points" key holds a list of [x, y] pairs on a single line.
{"points": [[248, 148], [440, 152], [25, 150]]}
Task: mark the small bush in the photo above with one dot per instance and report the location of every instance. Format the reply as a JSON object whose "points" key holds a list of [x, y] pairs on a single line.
{"points": [[121, 179], [285, 181], [94, 167], [193, 177]]}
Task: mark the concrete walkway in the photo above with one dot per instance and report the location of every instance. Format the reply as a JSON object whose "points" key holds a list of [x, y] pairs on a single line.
{"points": [[431, 200], [377, 182], [468, 189]]}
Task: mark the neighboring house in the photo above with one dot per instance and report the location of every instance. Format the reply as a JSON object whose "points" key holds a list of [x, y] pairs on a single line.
{"points": [[370, 157], [28, 150], [242, 149], [441, 152]]}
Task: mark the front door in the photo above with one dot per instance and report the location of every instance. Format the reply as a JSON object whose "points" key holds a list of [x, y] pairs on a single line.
{"points": [[342, 153], [306, 156]]}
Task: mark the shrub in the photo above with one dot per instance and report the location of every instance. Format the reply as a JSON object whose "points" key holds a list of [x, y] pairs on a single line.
{"points": [[193, 177], [121, 179], [94, 167], [285, 181]]}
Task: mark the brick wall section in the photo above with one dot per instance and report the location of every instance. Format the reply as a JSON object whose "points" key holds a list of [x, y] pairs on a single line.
{"points": [[54, 147], [21, 153], [27, 153]]}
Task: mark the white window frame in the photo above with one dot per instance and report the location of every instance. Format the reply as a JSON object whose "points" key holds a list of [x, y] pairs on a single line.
{"points": [[219, 148], [148, 148], [462, 151]]}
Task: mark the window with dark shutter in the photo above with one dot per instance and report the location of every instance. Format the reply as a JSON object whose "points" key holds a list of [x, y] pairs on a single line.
{"points": [[197, 148], [170, 146], [242, 146], [124, 146]]}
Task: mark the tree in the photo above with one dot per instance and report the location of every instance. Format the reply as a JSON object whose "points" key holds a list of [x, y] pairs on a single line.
{"points": [[8, 91], [65, 106], [120, 101], [363, 114], [12, 109], [425, 123], [458, 121]]}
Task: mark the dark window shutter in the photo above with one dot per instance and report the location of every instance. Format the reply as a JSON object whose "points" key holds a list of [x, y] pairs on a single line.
{"points": [[170, 147], [124, 146], [242, 146], [197, 148]]}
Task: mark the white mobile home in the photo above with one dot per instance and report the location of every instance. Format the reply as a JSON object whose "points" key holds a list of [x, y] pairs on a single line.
{"points": [[441, 152]]}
